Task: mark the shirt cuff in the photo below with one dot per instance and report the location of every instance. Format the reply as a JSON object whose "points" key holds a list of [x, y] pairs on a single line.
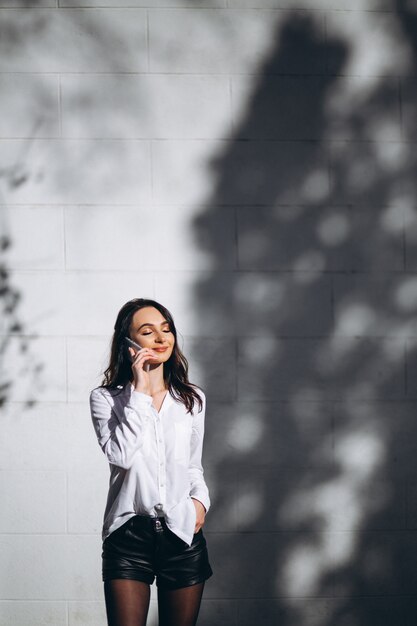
{"points": [[205, 501], [139, 399]]}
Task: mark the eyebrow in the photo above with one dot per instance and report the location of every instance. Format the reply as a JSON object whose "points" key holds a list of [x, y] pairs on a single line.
{"points": [[149, 324]]}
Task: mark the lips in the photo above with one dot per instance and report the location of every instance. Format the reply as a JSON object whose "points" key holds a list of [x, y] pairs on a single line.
{"points": [[160, 349]]}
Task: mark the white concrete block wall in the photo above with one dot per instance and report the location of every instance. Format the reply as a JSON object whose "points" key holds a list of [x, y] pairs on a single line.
{"points": [[251, 165]]}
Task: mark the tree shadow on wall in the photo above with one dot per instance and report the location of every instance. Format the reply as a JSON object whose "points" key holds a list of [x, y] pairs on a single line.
{"points": [[310, 440], [15, 340], [20, 31]]}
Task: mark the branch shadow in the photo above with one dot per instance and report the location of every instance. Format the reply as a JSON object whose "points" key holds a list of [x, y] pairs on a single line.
{"points": [[312, 472]]}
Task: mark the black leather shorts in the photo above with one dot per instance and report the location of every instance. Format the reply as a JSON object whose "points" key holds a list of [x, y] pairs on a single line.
{"points": [[145, 548]]}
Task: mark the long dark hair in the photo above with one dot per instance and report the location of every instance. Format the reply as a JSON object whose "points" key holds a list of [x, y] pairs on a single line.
{"points": [[119, 371]]}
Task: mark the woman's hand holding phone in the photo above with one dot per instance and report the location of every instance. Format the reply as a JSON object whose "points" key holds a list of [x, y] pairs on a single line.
{"points": [[140, 356]]}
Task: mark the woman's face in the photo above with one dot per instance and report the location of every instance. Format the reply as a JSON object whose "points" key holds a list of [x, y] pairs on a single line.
{"points": [[150, 329]]}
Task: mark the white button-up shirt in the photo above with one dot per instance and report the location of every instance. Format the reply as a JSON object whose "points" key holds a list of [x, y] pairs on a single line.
{"points": [[155, 458]]}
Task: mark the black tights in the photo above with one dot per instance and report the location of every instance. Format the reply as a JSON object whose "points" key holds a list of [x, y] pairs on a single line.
{"points": [[127, 604]]}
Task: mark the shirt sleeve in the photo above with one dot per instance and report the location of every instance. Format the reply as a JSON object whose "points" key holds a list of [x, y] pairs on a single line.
{"points": [[120, 436], [198, 487]]}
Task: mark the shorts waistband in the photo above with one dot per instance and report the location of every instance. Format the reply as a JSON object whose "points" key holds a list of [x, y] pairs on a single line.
{"points": [[157, 522]]}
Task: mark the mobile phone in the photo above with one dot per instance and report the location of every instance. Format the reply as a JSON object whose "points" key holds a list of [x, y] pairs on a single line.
{"points": [[137, 347], [133, 344]]}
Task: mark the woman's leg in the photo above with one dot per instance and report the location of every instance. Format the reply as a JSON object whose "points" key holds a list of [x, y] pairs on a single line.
{"points": [[127, 602], [180, 607]]}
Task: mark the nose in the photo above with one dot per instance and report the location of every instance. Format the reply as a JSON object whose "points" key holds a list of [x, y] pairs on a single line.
{"points": [[159, 338]]}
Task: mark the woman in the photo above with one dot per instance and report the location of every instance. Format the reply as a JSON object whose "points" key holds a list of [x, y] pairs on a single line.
{"points": [[149, 421]]}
